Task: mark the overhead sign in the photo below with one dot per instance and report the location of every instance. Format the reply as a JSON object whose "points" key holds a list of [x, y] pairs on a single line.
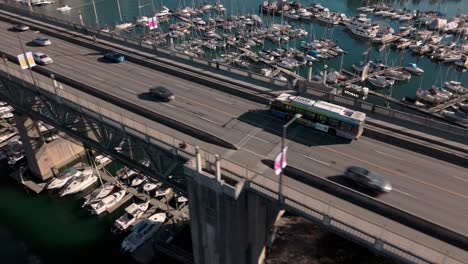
{"points": [[153, 23], [22, 60]]}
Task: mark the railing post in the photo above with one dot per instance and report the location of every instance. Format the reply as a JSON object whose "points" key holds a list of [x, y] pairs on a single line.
{"points": [[218, 168], [198, 159]]}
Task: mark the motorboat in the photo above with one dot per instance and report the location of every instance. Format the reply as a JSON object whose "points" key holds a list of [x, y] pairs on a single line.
{"points": [[79, 183], [126, 173], [99, 194], [455, 87], [64, 8], [143, 231], [101, 159], [124, 25], [397, 75], [151, 186], [107, 202], [163, 191], [414, 69], [63, 178], [218, 7], [380, 81], [431, 96], [138, 180], [165, 12], [132, 213]]}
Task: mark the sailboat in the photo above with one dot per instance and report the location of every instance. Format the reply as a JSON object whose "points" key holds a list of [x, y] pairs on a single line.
{"points": [[123, 25]]}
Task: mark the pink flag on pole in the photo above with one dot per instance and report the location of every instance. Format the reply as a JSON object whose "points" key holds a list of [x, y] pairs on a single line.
{"points": [[279, 166], [153, 23]]}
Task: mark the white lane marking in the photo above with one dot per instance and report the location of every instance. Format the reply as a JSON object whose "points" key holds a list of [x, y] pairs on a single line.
{"points": [[460, 178], [219, 99], [261, 139], [396, 190], [380, 152], [255, 153], [166, 104], [63, 65], [92, 76], [128, 90], [316, 160]]}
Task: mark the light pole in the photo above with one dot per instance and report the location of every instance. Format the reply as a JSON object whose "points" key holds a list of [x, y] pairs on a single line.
{"points": [[283, 139]]}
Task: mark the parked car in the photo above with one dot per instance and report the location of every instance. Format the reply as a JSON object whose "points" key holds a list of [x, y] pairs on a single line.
{"points": [[114, 57], [41, 58], [42, 41], [162, 93], [20, 27], [368, 179]]}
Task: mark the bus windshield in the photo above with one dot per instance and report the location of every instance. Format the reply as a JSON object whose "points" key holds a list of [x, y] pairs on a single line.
{"points": [[324, 116]]}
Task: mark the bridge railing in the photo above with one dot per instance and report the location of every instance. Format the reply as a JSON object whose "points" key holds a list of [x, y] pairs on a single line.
{"points": [[331, 216]]}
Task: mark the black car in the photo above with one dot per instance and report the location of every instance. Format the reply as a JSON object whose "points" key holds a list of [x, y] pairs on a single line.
{"points": [[114, 57], [162, 93], [20, 27], [368, 179]]}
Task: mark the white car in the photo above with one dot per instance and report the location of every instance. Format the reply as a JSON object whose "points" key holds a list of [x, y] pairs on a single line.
{"points": [[41, 58], [42, 41]]}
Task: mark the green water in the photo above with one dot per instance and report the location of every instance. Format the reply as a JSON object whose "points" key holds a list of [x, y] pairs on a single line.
{"points": [[55, 230]]}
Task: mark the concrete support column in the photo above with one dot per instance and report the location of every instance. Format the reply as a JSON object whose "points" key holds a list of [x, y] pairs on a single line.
{"points": [[227, 226]]}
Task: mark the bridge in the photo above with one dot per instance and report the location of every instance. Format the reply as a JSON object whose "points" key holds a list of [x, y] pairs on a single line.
{"points": [[230, 142]]}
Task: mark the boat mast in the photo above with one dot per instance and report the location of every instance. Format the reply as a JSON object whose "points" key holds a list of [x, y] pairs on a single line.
{"points": [[95, 15], [120, 12]]}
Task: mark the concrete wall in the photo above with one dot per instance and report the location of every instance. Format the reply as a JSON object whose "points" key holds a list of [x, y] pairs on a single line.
{"points": [[43, 157], [227, 229]]}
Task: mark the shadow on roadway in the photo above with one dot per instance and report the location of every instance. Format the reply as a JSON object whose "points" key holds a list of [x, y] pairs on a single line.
{"points": [[101, 59], [308, 136], [342, 180]]}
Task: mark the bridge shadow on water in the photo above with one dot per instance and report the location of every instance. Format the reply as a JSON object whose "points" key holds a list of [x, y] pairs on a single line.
{"points": [[298, 133]]}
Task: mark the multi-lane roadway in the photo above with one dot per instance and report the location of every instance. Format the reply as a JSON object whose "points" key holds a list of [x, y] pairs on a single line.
{"points": [[430, 188]]}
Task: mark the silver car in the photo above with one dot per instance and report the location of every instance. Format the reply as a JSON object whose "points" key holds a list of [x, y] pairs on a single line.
{"points": [[41, 58], [42, 41], [368, 179]]}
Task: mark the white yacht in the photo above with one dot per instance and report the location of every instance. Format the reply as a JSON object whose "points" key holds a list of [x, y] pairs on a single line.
{"points": [[101, 159], [380, 81], [80, 183], [367, 33], [165, 12], [63, 178], [413, 68], [132, 213], [143, 231], [138, 180], [64, 8], [124, 25], [163, 191], [151, 186], [99, 194], [107, 202]]}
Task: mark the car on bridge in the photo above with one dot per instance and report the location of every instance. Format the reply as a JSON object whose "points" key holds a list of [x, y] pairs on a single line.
{"points": [[114, 57], [368, 179], [41, 41], [20, 27], [161, 93], [41, 58]]}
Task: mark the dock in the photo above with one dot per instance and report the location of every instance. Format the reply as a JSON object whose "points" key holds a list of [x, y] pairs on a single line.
{"points": [[453, 101], [24, 179]]}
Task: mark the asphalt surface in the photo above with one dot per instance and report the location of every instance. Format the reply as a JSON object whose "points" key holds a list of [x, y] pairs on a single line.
{"points": [[427, 187]]}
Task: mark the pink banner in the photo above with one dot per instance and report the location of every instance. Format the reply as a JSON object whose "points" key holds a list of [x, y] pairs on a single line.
{"points": [[152, 23], [278, 166]]}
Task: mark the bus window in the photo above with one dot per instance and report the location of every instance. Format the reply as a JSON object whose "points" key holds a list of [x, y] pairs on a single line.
{"points": [[322, 119], [309, 116], [333, 122], [346, 126]]}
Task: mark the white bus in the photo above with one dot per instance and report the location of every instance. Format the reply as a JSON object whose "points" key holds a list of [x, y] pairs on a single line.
{"points": [[324, 116]]}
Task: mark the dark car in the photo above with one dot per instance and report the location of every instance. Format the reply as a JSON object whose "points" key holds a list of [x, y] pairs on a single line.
{"points": [[114, 57], [20, 27], [368, 179], [162, 93]]}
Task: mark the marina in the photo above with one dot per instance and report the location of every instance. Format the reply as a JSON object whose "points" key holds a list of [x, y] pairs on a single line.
{"points": [[404, 63]]}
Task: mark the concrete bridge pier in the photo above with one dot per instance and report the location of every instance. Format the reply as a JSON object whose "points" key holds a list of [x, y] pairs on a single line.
{"points": [[43, 159], [228, 224]]}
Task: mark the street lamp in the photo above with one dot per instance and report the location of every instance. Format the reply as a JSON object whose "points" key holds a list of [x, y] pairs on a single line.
{"points": [[283, 139]]}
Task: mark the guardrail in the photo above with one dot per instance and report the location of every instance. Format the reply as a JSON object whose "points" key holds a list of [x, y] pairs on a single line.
{"points": [[406, 118], [332, 217]]}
